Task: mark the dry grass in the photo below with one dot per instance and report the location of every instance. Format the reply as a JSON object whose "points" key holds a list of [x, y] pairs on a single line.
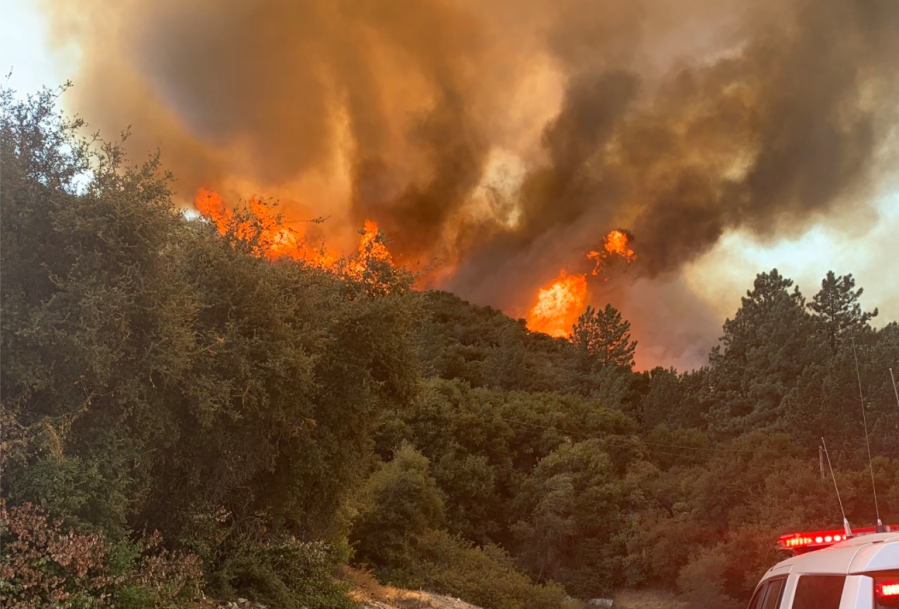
{"points": [[372, 595]]}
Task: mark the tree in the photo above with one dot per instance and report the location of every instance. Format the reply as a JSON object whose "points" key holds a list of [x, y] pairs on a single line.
{"points": [[157, 374], [825, 401], [836, 308], [673, 399], [402, 503], [763, 351], [605, 336], [571, 519]]}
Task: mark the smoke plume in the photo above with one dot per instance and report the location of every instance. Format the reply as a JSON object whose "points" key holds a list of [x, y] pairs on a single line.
{"points": [[504, 139]]}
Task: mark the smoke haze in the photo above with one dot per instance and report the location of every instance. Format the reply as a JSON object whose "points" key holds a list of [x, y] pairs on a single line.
{"points": [[503, 139]]}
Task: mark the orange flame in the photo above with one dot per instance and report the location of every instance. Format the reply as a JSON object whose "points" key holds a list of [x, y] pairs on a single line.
{"points": [[371, 245], [274, 240], [561, 302], [558, 305], [371, 250], [616, 243]]}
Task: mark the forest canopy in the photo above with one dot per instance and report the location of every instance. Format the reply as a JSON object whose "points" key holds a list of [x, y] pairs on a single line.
{"points": [[254, 425]]}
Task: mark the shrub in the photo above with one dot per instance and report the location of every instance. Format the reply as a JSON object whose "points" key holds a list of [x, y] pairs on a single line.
{"points": [[401, 502], [45, 565], [288, 574], [702, 580], [484, 576]]}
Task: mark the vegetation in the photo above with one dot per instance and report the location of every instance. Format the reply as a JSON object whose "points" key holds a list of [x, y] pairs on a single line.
{"points": [[180, 413]]}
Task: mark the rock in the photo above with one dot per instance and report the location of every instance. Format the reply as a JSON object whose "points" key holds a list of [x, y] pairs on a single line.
{"points": [[600, 602]]}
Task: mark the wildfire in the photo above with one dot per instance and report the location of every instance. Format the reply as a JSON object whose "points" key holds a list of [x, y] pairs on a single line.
{"points": [[558, 305], [561, 302], [616, 243], [274, 240], [372, 250]]}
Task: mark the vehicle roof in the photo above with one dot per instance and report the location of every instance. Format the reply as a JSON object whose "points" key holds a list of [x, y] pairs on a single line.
{"points": [[863, 554]]}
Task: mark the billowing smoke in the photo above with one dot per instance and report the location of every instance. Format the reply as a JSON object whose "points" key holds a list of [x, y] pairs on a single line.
{"points": [[503, 139]]}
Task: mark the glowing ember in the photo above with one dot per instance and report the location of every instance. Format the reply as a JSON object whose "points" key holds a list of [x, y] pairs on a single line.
{"points": [[558, 305], [616, 243]]}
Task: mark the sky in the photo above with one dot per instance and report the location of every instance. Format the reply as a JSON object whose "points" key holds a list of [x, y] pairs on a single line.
{"points": [[719, 277]]}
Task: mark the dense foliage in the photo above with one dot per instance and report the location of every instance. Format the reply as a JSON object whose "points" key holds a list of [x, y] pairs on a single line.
{"points": [[273, 420]]}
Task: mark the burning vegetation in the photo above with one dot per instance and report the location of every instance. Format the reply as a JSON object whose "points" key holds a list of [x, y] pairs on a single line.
{"points": [[558, 305], [270, 237], [561, 302], [616, 243], [498, 139], [265, 417]]}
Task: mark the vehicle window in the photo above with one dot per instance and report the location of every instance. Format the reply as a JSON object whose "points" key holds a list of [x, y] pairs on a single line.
{"points": [[773, 594], [819, 592], [768, 594], [758, 597]]}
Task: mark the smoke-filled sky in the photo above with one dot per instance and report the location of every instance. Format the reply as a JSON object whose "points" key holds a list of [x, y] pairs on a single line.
{"points": [[499, 141]]}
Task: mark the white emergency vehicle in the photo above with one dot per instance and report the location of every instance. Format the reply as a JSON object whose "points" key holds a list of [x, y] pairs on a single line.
{"points": [[833, 570]]}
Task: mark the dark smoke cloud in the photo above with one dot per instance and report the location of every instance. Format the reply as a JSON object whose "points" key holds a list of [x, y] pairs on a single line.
{"points": [[780, 129], [679, 120]]}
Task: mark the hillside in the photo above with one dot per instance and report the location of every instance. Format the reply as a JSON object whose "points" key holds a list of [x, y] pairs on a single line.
{"points": [[186, 413]]}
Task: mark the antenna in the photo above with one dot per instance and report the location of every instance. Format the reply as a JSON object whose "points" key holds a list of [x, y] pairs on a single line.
{"points": [[895, 391], [846, 528], [861, 395]]}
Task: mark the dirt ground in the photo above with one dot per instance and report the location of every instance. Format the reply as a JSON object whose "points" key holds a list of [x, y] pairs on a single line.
{"points": [[646, 599], [372, 595]]}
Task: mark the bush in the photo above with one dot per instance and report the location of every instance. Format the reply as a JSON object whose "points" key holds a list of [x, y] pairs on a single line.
{"points": [[486, 577], [43, 565], [288, 574], [702, 583], [401, 502]]}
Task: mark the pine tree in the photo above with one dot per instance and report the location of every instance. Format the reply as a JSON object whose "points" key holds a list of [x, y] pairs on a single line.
{"points": [[605, 336], [837, 310], [763, 351]]}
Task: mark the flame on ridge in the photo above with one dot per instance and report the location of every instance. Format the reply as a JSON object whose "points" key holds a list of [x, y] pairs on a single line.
{"points": [[558, 305], [274, 240], [562, 301]]}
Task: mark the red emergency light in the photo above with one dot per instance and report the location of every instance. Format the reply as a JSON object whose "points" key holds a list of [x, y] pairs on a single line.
{"points": [[806, 542], [887, 591]]}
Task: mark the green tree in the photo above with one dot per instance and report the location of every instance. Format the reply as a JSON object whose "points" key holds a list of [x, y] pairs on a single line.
{"points": [[95, 317], [763, 351], [159, 375], [604, 336], [401, 502], [837, 310], [826, 401], [571, 521], [673, 398]]}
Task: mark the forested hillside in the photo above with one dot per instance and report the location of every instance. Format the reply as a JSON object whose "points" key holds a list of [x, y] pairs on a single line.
{"points": [[182, 415]]}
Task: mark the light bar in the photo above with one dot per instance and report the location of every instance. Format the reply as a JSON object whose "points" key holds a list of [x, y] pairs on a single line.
{"points": [[806, 542], [820, 539]]}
